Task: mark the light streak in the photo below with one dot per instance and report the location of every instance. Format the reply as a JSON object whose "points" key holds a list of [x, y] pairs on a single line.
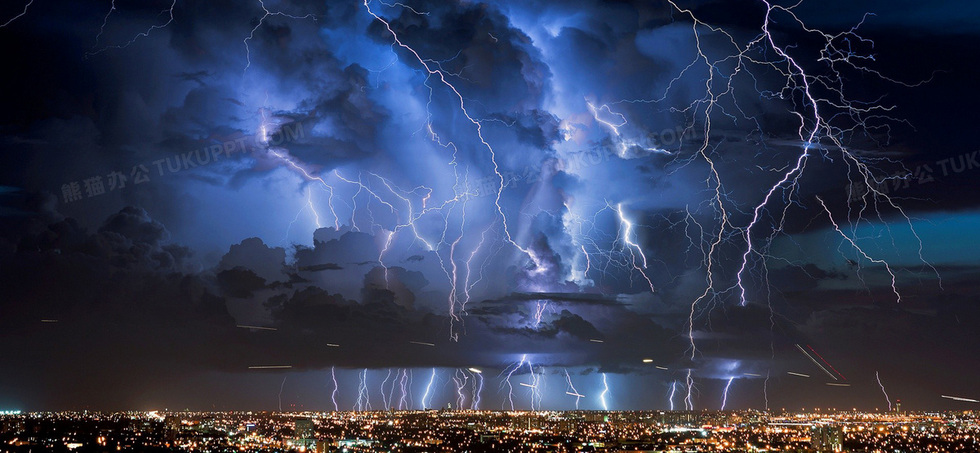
{"points": [[825, 362], [793, 373], [816, 363], [838, 384], [242, 326], [422, 343], [958, 398]]}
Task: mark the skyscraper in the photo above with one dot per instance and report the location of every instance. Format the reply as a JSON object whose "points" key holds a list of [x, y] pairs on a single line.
{"points": [[827, 439]]}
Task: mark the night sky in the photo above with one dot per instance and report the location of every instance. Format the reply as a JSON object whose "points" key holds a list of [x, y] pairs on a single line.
{"points": [[642, 203]]}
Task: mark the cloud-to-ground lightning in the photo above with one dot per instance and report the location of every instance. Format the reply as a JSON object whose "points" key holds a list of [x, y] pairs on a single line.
{"points": [[724, 397], [336, 388], [819, 102], [384, 398], [363, 394], [403, 384], [534, 385], [572, 392], [689, 397], [426, 397], [281, 386], [460, 378], [605, 391], [882, 386], [477, 390]]}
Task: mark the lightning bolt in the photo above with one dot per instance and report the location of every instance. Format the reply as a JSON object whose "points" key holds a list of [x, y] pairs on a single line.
{"points": [[22, 13], [536, 386], [688, 400], [539, 309], [765, 389], [281, 386], [819, 133], [460, 379], [384, 399], [573, 392], [477, 391], [170, 19], [428, 390], [670, 398], [898, 296], [441, 76], [605, 390], [627, 227], [509, 372], [363, 395], [105, 21], [887, 399], [624, 144], [251, 35], [724, 398], [336, 388], [403, 383]]}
